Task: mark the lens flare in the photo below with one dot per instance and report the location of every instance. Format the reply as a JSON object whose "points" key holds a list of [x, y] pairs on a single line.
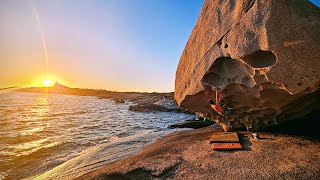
{"points": [[42, 37], [47, 83]]}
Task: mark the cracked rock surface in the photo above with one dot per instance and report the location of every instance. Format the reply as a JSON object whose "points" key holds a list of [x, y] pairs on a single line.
{"points": [[263, 56]]}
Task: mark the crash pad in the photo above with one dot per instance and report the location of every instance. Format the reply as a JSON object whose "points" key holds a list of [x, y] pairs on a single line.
{"points": [[224, 137], [225, 141], [226, 146]]}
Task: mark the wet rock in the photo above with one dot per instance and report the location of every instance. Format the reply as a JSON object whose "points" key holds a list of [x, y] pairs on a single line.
{"points": [[262, 56], [164, 104], [169, 104], [118, 100], [146, 108]]}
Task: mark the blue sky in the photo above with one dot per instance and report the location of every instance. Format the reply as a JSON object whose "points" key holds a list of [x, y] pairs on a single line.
{"points": [[316, 2], [123, 45]]}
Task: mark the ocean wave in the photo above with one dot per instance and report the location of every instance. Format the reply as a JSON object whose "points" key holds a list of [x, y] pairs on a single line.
{"points": [[64, 114], [94, 157], [23, 163], [20, 139], [123, 134], [89, 127]]}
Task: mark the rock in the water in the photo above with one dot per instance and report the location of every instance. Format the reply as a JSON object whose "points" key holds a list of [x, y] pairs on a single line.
{"points": [[146, 108], [119, 100], [262, 56], [168, 104]]}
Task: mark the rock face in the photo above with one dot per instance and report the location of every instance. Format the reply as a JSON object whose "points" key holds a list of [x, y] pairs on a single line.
{"points": [[262, 55]]}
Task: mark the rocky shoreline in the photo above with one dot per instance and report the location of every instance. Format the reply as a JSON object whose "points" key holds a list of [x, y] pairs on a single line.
{"points": [[187, 154], [142, 101]]}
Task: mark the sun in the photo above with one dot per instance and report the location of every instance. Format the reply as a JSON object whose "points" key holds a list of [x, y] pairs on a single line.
{"points": [[47, 83]]}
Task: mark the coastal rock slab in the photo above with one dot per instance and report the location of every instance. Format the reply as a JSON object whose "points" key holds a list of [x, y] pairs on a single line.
{"points": [[262, 56], [188, 155]]}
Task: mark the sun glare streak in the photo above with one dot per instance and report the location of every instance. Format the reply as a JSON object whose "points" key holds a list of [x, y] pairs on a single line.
{"points": [[42, 37], [47, 83]]}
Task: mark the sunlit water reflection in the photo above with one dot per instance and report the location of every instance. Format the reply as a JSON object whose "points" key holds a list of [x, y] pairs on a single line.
{"points": [[39, 132]]}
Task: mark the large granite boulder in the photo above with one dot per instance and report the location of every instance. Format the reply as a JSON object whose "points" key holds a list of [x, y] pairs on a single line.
{"points": [[262, 55]]}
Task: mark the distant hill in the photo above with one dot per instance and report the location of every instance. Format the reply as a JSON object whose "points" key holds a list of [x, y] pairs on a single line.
{"points": [[7, 88], [62, 89]]}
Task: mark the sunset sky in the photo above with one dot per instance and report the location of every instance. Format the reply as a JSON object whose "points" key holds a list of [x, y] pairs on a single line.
{"points": [[122, 45], [126, 45]]}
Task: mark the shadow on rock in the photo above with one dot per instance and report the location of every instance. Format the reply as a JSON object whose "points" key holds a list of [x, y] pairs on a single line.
{"points": [[245, 142], [307, 126], [195, 124]]}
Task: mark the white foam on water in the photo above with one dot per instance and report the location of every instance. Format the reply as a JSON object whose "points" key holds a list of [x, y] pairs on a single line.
{"points": [[102, 154]]}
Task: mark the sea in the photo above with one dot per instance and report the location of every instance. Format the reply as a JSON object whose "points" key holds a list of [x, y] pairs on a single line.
{"points": [[54, 136]]}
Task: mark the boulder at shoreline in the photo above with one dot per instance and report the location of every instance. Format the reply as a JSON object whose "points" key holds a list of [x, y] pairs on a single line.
{"points": [[262, 56]]}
